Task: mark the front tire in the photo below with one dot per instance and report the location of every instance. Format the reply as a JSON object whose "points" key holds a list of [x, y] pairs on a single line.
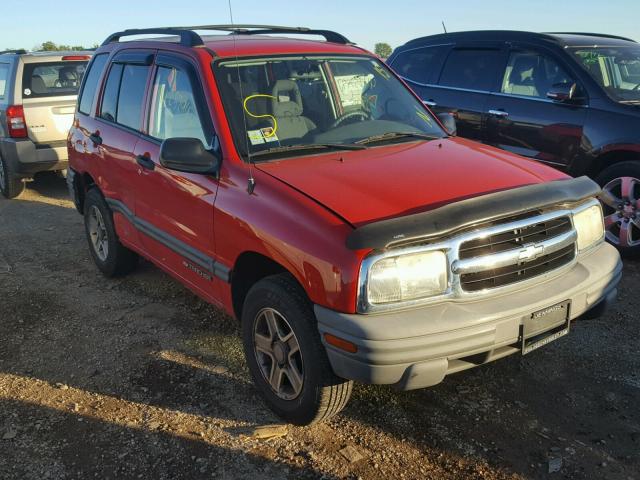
{"points": [[285, 355], [621, 205], [10, 186], [110, 256]]}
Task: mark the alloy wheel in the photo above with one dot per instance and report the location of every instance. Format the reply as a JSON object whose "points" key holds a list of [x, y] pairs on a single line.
{"points": [[621, 200], [98, 234], [278, 353]]}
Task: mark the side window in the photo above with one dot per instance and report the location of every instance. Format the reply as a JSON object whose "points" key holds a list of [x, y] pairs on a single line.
{"points": [[124, 94], [174, 111], [92, 77], [532, 75], [4, 78], [474, 69], [417, 64]]}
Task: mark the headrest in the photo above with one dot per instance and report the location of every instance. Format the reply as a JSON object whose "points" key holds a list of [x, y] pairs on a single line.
{"points": [[287, 101], [522, 64], [38, 85], [68, 74]]}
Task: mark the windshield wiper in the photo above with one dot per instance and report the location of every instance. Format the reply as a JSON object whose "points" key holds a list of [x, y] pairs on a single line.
{"points": [[310, 146], [393, 135]]}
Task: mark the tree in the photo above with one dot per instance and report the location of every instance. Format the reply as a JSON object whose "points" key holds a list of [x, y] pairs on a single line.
{"points": [[50, 46], [382, 50]]}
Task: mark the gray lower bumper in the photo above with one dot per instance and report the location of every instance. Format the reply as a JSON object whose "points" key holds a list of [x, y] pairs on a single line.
{"points": [[24, 158], [417, 348]]}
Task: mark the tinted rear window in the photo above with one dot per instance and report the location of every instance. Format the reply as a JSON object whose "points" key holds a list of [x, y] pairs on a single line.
{"points": [[474, 69], [91, 83], [52, 79], [4, 78], [417, 65], [131, 98], [110, 96]]}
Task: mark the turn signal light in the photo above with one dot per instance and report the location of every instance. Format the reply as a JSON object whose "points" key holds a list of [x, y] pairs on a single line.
{"points": [[16, 124], [340, 343]]}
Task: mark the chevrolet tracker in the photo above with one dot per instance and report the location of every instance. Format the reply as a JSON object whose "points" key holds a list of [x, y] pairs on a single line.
{"points": [[303, 188]]}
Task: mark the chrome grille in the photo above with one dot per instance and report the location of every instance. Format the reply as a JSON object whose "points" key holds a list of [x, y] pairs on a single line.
{"points": [[513, 255]]}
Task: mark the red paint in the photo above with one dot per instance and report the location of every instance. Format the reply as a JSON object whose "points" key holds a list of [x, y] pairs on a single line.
{"points": [[302, 209]]}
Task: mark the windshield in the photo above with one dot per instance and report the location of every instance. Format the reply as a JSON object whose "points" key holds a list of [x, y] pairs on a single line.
{"points": [[616, 69], [312, 101]]}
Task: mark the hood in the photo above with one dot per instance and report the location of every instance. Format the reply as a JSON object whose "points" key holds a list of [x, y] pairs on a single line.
{"points": [[363, 186]]}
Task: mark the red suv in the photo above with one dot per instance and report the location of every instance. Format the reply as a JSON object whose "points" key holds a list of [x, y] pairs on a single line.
{"points": [[303, 188]]}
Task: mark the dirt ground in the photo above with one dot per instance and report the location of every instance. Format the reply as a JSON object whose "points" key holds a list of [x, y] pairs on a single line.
{"points": [[138, 378]]}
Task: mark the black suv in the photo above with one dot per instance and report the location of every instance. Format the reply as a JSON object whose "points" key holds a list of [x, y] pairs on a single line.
{"points": [[570, 100]]}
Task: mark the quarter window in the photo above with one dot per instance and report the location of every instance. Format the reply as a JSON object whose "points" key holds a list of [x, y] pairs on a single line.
{"points": [[4, 76], [417, 65], [91, 83], [532, 75], [174, 110], [474, 69], [110, 97]]}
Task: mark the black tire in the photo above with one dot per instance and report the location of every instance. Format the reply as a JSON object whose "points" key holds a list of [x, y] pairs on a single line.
{"points": [[10, 186], [323, 394], [608, 180], [117, 259]]}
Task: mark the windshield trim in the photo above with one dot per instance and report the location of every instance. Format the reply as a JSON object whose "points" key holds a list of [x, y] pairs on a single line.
{"points": [[215, 63]]}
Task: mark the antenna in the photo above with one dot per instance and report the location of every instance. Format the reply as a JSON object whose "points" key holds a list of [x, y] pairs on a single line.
{"points": [[251, 183], [444, 27]]}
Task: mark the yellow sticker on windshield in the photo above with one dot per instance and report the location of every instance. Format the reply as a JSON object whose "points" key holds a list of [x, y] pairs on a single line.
{"points": [[265, 115], [382, 71], [424, 117]]}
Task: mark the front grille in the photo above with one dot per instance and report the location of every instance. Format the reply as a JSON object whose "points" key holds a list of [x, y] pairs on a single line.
{"points": [[516, 254], [511, 239]]}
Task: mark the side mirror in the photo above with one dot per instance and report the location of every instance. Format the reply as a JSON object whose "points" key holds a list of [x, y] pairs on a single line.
{"points": [[448, 121], [188, 155], [565, 93]]}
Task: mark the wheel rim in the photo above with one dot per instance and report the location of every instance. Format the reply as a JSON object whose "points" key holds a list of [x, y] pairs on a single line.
{"points": [[98, 234], [2, 178], [278, 353], [620, 199]]}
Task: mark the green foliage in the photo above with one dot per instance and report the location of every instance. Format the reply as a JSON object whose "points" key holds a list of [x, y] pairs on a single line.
{"points": [[383, 49], [53, 47]]}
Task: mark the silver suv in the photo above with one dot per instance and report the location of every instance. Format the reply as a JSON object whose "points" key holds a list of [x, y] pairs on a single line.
{"points": [[38, 93]]}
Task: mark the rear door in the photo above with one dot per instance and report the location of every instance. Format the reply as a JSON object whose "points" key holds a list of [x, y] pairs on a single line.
{"points": [[175, 209], [523, 120], [468, 75], [49, 91]]}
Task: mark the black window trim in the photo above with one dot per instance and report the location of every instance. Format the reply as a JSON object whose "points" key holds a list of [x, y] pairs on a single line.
{"points": [[176, 60]]}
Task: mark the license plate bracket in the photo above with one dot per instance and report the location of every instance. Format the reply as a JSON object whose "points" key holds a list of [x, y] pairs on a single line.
{"points": [[545, 326]]}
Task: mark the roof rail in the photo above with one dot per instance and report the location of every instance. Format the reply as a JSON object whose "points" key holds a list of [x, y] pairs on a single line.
{"points": [[586, 34], [188, 38], [252, 29], [18, 51]]}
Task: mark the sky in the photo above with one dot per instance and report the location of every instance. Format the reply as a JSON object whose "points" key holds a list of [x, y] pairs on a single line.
{"points": [[364, 22]]}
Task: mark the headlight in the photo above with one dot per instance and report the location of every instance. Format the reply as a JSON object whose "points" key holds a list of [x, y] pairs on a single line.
{"points": [[589, 226], [407, 277]]}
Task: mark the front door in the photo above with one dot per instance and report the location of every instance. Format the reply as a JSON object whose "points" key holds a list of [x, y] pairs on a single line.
{"points": [[523, 120], [175, 209]]}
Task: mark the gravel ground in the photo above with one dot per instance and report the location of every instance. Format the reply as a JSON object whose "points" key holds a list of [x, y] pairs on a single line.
{"points": [[138, 378]]}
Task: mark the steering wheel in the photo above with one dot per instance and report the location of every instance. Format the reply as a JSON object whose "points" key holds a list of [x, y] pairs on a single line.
{"points": [[340, 120]]}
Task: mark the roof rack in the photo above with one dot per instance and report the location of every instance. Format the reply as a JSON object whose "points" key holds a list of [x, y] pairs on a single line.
{"points": [[585, 34], [18, 51], [189, 38]]}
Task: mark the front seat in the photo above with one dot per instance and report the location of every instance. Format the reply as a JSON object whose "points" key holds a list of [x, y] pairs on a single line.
{"points": [[38, 86], [521, 78], [68, 77], [287, 109]]}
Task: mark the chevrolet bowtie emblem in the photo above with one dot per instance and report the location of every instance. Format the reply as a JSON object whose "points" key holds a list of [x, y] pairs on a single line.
{"points": [[530, 252]]}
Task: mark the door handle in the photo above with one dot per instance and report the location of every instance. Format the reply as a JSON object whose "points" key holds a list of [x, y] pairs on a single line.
{"points": [[498, 113], [429, 103], [96, 138], [145, 162]]}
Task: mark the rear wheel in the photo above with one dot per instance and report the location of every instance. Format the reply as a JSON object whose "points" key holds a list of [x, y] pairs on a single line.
{"points": [[111, 257], [621, 205], [286, 358], [10, 186]]}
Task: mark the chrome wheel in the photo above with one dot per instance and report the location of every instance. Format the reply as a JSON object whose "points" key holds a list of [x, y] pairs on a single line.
{"points": [[278, 353], [3, 181], [98, 234], [621, 199]]}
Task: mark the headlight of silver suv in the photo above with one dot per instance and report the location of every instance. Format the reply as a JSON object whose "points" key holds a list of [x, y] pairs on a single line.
{"points": [[589, 226], [406, 277]]}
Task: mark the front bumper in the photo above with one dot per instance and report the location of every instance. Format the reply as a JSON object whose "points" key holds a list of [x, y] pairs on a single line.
{"points": [[25, 158], [417, 348]]}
